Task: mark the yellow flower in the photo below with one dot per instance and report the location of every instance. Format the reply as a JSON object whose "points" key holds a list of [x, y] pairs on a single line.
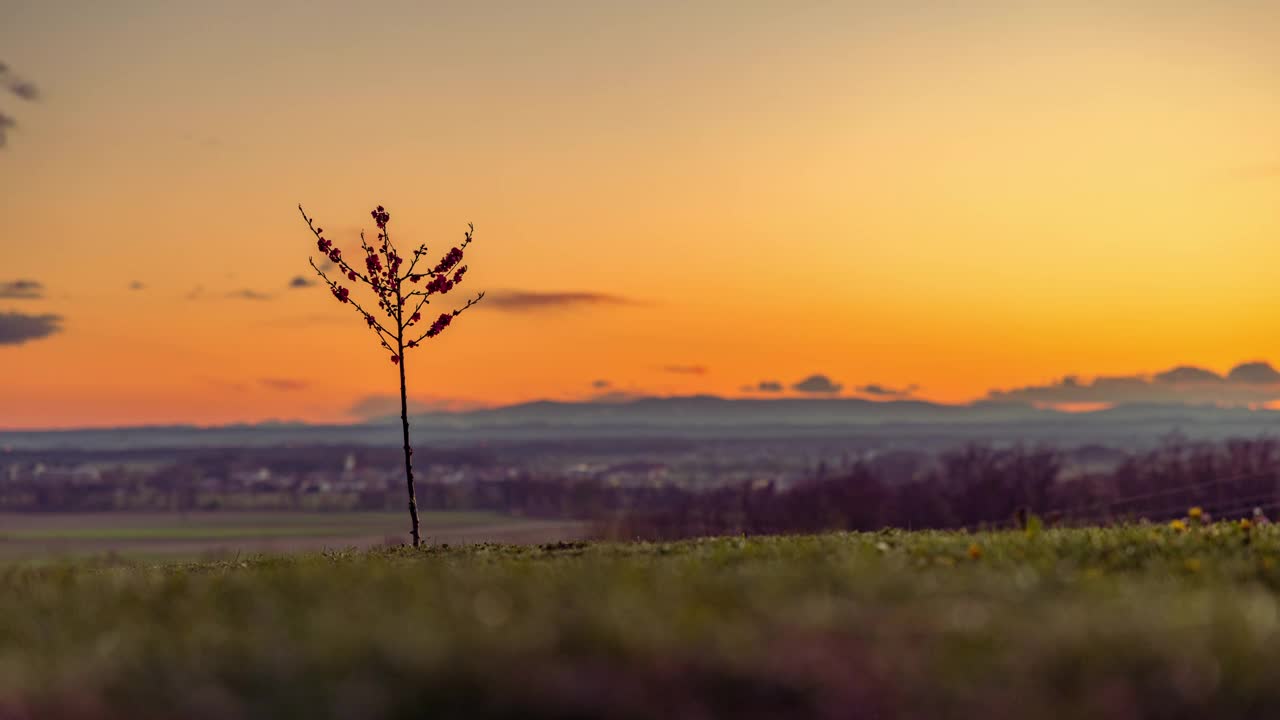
{"points": [[1245, 525], [1178, 526], [1195, 513], [975, 552]]}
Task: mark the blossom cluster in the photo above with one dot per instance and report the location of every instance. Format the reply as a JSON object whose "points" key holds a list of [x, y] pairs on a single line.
{"points": [[384, 273], [440, 324]]}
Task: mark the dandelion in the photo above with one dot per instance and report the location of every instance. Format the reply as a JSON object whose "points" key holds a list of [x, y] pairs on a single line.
{"points": [[1195, 513], [1178, 526], [1245, 525], [975, 552]]}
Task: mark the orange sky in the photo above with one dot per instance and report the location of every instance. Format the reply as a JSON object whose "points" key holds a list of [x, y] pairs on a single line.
{"points": [[896, 192]]}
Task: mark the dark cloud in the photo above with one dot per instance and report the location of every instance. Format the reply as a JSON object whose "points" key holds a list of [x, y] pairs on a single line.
{"points": [[6, 123], [283, 384], [601, 384], [299, 281], [21, 290], [20, 88], [877, 390], [17, 328], [25, 90], [818, 385], [685, 369], [528, 300], [1254, 373], [247, 294], [765, 386], [136, 285], [1248, 383], [196, 293]]}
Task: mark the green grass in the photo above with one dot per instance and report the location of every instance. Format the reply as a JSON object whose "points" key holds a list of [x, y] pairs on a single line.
{"points": [[1117, 623]]}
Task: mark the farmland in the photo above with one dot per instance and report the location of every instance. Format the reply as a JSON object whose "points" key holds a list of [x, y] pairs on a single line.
{"points": [[195, 534], [1133, 621]]}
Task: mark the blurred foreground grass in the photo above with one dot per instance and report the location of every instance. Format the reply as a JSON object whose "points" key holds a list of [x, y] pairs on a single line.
{"points": [[1142, 621]]}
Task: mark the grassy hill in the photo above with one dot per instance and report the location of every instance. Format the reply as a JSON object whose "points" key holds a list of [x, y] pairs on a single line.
{"points": [[1116, 623]]}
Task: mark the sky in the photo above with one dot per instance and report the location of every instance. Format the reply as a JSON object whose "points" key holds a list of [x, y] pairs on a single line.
{"points": [[932, 199]]}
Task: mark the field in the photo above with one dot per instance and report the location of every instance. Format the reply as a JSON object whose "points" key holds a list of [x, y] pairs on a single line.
{"points": [[211, 534], [1139, 621]]}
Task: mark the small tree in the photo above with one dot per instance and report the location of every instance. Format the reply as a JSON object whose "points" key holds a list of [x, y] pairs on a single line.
{"points": [[382, 273]]}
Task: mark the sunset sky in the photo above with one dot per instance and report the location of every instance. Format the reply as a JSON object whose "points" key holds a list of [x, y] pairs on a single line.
{"points": [[669, 198]]}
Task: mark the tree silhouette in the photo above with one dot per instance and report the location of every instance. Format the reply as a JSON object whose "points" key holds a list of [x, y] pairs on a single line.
{"points": [[382, 273]]}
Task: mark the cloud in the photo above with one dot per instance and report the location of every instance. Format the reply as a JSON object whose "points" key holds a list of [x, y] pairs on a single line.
{"points": [[373, 407], [20, 88], [247, 294], [21, 290], [1254, 373], [765, 386], [685, 369], [6, 123], [877, 390], [531, 301], [25, 90], [818, 385], [299, 281], [1246, 384], [601, 384], [196, 293], [283, 384], [1187, 374], [17, 328], [136, 285]]}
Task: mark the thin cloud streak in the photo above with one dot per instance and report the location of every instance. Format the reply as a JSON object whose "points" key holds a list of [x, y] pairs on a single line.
{"points": [[685, 369], [21, 290], [532, 301], [247, 294]]}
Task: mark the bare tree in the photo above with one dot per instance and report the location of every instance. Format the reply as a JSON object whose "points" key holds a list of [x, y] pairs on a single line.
{"points": [[382, 273]]}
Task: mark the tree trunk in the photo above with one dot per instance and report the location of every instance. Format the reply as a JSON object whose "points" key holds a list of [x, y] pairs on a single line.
{"points": [[408, 452]]}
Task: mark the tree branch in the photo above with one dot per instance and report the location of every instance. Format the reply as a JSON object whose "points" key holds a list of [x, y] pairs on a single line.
{"points": [[341, 262], [455, 313], [422, 250], [376, 326]]}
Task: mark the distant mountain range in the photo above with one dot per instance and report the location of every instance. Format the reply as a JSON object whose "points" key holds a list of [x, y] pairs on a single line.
{"points": [[907, 421]]}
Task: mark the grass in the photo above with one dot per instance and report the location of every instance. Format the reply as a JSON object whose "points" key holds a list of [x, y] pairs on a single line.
{"points": [[1140, 621]]}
